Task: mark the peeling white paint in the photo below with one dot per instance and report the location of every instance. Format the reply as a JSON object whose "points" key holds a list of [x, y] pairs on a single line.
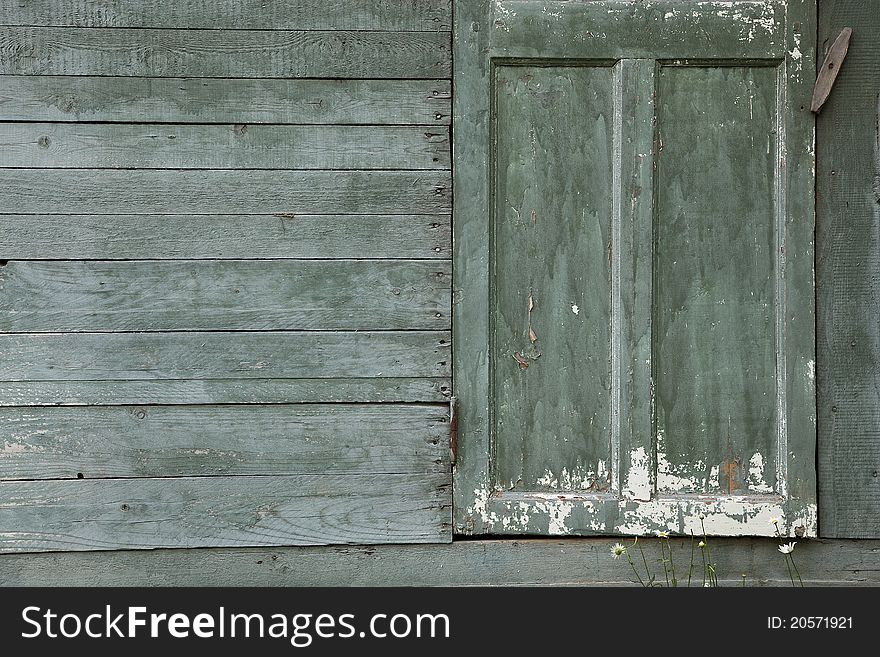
{"points": [[756, 480], [638, 478]]}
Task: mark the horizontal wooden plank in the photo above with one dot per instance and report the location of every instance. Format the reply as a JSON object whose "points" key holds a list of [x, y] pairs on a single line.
{"points": [[177, 237], [109, 514], [234, 14], [209, 100], [571, 562], [220, 355], [239, 146], [193, 295], [83, 191], [169, 441], [224, 53], [224, 391]]}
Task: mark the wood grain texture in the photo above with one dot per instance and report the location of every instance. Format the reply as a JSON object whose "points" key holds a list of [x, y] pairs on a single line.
{"points": [[413, 15], [848, 270], [109, 514], [187, 295], [82, 191], [238, 146], [226, 391], [552, 276], [185, 237], [224, 53], [207, 100], [715, 280], [219, 355], [470, 243], [174, 441], [541, 562]]}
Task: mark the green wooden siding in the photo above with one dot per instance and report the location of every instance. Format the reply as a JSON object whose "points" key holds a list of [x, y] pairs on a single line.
{"points": [[224, 273], [848, 269], [634, 325]]}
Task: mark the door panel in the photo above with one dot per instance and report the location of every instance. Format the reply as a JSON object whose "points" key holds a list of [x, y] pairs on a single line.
{"points": [[715, 272], [551, 275], [633, 295]]}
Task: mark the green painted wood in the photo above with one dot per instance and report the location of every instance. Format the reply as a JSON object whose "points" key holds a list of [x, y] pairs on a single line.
{"points": [[186, 237], [551, 342], [220, 355], [661, 29], [542, 562], [225, 391], [413, 15], [224, 53], [238, 146], [193, 295], [82, 191], [750, 64], [207, 100], [312, 509], [470, 244], [848, 262], [715, 281], [171, 441]]}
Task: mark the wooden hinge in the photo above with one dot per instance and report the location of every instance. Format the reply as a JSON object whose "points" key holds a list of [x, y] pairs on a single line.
{"points": [[453, 429], [830, 69]]}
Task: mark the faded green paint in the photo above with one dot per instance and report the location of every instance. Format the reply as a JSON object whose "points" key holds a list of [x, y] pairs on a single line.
{"points": [[237, 146], [207, 100], [219, 191], [848, 262], [224, 236], [100, 442], [224, 53], [498, 562], [193, 295], [707, 228], [414, 15], [551, 278], [715, 280], [309, 509], [225, 273]]}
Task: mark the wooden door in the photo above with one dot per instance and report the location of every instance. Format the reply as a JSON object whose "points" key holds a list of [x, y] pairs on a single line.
{"points": [[634, 280]]}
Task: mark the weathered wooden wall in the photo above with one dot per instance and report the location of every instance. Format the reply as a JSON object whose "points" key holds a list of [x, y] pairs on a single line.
{"points": [[848, 271], [225, 274], [545, 562]]}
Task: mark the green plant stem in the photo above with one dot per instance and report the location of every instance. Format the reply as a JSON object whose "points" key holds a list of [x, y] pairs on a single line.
{"points": [[663, 561], [793, 565], [693, 554], [710, 569], [645, 561], [633, 566], [671, 563]]}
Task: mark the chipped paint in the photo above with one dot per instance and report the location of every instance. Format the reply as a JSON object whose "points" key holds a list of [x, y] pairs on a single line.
{"points": [[638, 477], [756, 480]]}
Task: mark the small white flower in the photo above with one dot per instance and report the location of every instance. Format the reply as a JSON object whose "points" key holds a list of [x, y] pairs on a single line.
{"points": [[787, 548], [617, 550], [701, 544], [661, 534], [774, 521], [707, 585]]}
